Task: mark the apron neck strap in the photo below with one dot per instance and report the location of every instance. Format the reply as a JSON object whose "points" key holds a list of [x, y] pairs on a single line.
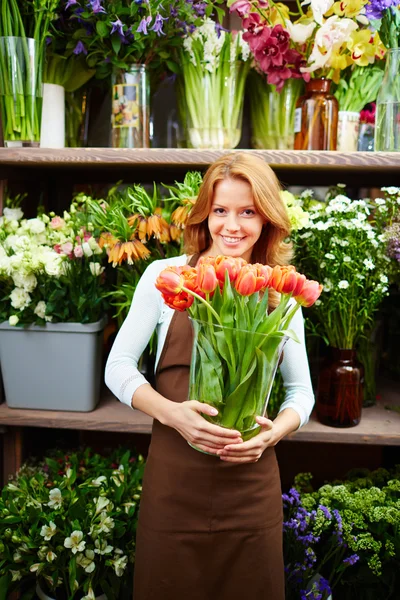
{"points": [[194, 259]]}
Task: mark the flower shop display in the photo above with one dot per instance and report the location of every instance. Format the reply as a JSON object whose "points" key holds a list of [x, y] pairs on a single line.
{"points": [[68, 525], [237, 344], [358, 86], [51, 310], [215, 64], [315, 43], [386, 18], [367, 128], [272, 113], [136, 43], [343, 246], [24, 27]]}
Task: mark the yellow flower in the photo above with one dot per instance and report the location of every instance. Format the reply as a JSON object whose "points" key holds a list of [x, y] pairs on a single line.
{"points": [[348, 8], [362, 47], [278, 14], [380, 49], [129, 251]]}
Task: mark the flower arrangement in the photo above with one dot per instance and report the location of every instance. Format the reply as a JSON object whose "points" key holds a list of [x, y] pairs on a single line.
{"points": [[69, 525], [319, 40], [359, 86], [237, 343], [120, 33], [385, 16], [215, 64], [343, 246], [50, 268]]}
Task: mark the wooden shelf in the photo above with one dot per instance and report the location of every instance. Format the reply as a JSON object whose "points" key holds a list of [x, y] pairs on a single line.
{"points": [[378, 426], [361, 168]]}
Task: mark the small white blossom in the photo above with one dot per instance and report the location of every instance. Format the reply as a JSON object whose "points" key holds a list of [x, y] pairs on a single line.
{"points": [[50, 556], [37, 567], [343, 285], [55, 498], [120, 565], [99, 480], [101, 502], [19, 298], [369, 264], [102, 547], [13, 320], [383, 279], [106, 523], [75, 542], [96, 269], [36, 226], [380, 201], [90, 595], [347, 259], [391, 190], [86, 561], [330, 256], [13, 214], [48, 531], [40, 311]]}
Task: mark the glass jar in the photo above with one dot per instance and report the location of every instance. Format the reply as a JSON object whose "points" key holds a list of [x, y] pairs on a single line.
{"points": [[348, 130], [387, 119], [130, 117], [316, 117], [340, 389], [366, 137]]}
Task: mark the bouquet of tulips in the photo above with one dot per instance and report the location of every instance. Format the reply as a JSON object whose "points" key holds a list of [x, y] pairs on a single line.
{"points": [[238, 341]]}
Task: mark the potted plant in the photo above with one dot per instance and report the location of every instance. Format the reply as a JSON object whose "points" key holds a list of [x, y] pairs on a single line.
{"points": [[51, 310], [67, 526]]}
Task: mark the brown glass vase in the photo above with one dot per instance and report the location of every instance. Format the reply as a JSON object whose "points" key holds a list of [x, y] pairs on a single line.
{"points": [[316, 117], [340, 389]]}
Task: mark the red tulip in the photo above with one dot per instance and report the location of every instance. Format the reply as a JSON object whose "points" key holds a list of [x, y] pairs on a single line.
{"points": [[301, 279], [206, 278], [227, 263], [179, 302], [310, 293], [170, 281], [246, 282]]}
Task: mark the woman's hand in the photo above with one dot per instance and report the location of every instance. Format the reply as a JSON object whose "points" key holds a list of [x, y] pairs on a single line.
{"points": [[251, 451], [186, 418]]}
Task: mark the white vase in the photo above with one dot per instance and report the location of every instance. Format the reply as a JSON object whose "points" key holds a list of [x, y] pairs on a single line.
{"points": [[348, 128], [42, 596], [52, 131]]}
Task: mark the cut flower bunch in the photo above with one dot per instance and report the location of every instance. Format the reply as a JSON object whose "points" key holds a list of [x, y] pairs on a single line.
{"points": [[237, 343]]}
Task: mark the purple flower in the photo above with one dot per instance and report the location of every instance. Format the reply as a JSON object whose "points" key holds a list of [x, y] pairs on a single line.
{"points": [[351, 560], [142, 27], [325, 511], [375, 8], [200, 8], [118, 27], [158, 23], [79, 48], [96, 6], [219, 28], [70, 3]]}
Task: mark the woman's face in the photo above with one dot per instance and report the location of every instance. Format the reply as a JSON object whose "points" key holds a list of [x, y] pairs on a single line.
{"points": [[234, 223]]}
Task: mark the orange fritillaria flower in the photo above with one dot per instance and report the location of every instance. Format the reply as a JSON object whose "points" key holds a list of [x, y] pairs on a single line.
{"points": [[107, 240], [181, 214], [127, 251], [154, 225], [175, 233]]}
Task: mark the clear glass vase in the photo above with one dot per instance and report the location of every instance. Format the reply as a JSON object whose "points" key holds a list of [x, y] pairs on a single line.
{"points": [[340, 389], [387, 118], [233, 370], [212, 104], [316, 117], [272, 112], [130, 118], [20, 91], [76, 118]]}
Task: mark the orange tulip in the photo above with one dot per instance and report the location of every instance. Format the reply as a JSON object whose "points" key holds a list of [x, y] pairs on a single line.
{"points": [[310, 293], [227, 263], [264, 273], [179, 302], [206, 278], [170, 281], [246, 282], [276, 277], [301, 279]]}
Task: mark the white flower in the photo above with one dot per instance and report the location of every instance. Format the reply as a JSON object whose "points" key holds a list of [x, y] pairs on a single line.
{"points": [[330, 256], [300, 33], [37, 567], [96, 269], [106, 523], [369, 264], [343, 285], [383, 279], [99, 480], [86, 561], [317, 302], [347, 259], [36, 226], [19, 298], [327, 285], [48, 531], [13, 320], [390, 190], [13, 214], [120, 565], [87, 251], [380, 201], [75, 542], [101, 502], [90, 595], [53, 264], [17, 557], [307, 193], [102, 547], [50, 556], [322, 264], [55, 498], [319, 8], [26, 282], [40, 310]]}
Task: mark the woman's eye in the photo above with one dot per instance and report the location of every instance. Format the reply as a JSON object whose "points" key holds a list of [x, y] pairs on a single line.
{"points": [[249, 212], [219, 211]]}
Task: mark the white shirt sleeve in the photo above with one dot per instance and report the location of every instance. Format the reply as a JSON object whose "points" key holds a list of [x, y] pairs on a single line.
{"points": [[296, 373], [122, 375]]}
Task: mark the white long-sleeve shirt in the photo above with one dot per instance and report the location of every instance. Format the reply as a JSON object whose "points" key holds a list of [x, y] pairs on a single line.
{"points": [[149, 312]]}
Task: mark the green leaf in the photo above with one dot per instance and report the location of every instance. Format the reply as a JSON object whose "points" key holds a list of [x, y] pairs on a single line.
{"points": [[102, 29], [234, 402], [4, 585], [72, 573], [209, 380], [116, 43], [172, 66]]}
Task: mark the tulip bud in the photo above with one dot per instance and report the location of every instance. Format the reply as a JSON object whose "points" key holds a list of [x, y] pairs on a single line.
{"points": [[206, 278], [170, 281], [310, 293], [301, 279], [227, 263], [179, 302], [275, 278], [246, 282]]}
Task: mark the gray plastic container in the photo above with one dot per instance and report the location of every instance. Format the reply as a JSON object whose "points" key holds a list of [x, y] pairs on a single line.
{"points": [[54, 367]]}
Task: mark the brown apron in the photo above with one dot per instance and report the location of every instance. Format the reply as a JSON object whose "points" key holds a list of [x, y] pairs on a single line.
{"points": [[208, 529]]}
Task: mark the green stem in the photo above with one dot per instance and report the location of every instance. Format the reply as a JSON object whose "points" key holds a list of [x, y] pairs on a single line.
{"points": [[209, 307]]}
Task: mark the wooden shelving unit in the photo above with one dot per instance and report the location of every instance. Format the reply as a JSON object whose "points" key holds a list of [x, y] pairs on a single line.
{"points": [[59, 170]]}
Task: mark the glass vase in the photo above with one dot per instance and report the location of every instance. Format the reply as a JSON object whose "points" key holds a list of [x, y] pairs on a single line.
{"points": [[366, 138], [20, 91], [212, 104], [233, 370], [387, 118], [130, 119], [348, 129], [76, 118], [340, 389], [272, 112], [316, 117]]}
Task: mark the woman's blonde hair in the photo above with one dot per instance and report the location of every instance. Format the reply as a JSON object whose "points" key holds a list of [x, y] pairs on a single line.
{"points": [[270, 249]]}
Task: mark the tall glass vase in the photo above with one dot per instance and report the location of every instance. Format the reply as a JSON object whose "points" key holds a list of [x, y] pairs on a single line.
{"points": [[234, 370], [316, 117], [130, 119], [20, 91], [272, 112], [340, 389], [212, 104], [387, 118], [76, 118]]}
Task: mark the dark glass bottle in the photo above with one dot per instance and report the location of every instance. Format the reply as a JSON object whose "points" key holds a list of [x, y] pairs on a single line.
{"points": [[340, 389], [316, 117]]}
